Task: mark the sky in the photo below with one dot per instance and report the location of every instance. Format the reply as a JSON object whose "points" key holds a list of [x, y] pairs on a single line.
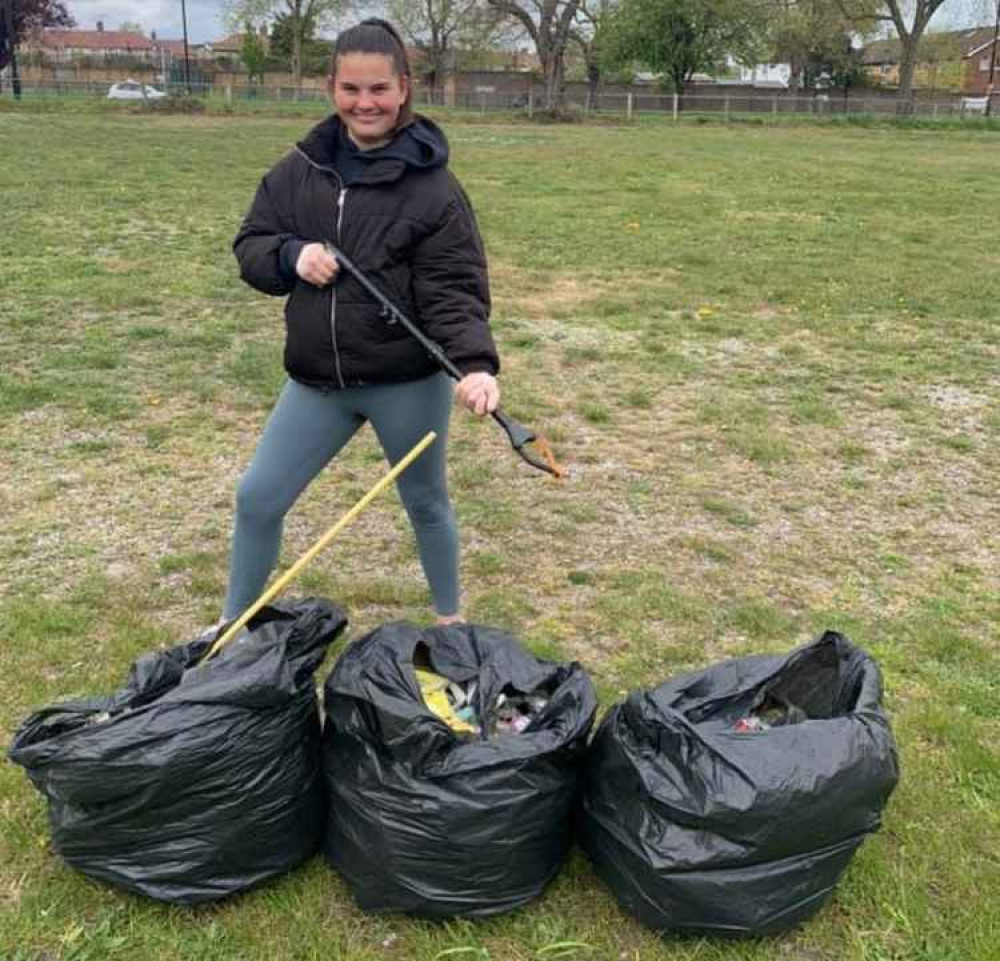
{"points": [[205, 21]]}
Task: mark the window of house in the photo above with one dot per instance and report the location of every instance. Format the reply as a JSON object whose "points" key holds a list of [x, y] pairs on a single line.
{"points": [[984, 64]]}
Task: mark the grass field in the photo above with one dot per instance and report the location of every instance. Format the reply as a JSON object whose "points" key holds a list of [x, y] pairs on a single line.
{"points": [[770, 357]]}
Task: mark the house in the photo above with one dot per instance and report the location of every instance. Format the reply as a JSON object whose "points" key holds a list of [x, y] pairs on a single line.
{"points": [[981, 66], [959, 59], [65, 45], [233, 44], [775, 75], [174, 49], [880, 61]]}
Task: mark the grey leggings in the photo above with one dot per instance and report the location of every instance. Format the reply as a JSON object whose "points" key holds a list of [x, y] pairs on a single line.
{"points": [[306, 430]]}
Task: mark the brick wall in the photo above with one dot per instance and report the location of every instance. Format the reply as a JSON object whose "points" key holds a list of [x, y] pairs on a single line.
{"points": [[976, 79]]}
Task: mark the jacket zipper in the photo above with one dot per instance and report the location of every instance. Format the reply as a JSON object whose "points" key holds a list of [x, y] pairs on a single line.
{"points": [[333, 291], [342, 193]]}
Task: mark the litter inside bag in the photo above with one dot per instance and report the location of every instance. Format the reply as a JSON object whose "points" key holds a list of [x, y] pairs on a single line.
{"points": [[449, 701], [195, 780], [444, 814], [730, 800], [456, 703]]}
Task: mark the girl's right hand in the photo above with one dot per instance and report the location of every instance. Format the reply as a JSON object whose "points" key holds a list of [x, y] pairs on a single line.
{"points": [[316, 265]]}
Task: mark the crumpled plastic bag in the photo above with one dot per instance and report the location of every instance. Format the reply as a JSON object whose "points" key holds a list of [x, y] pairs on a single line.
{"points": [[193, 781], [430, 821], [701, 822]]}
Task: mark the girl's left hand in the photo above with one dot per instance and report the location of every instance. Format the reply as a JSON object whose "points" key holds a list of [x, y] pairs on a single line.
{"points": [[479, 392]]}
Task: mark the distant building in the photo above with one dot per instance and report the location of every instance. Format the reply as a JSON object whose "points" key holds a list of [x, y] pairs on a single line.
{"points": [[233, 44], [66, 45], [775, 75], [968, 63], [174, 49], [977, 65]]}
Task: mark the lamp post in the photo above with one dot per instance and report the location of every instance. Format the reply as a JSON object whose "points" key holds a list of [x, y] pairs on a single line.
{"points": [[993, 63], [187, 67]]}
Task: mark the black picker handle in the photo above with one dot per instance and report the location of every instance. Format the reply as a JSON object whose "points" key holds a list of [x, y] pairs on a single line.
{"points": [[519, 435]]}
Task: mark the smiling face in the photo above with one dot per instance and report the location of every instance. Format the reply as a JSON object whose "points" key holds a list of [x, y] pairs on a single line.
{"points": [[368, 94]]}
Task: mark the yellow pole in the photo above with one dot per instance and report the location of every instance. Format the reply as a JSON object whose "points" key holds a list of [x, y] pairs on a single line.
{"points": [[297, 567]]}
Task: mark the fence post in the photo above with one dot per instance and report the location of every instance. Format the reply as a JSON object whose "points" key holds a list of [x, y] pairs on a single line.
{"points": [[531, 104], [727, 108], [295, 94], [677, 105], [628, 107], [774, 106], [229, 94]]}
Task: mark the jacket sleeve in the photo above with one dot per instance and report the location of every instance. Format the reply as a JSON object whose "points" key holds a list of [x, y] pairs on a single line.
{"points": [[258, 245], [452, 291]]}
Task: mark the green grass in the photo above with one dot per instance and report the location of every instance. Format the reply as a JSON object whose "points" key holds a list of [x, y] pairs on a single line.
{"points": [[768, 356]]}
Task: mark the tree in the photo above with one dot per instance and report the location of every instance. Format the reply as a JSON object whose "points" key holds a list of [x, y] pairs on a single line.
{"points": [[549, 23], [20, 17], [677, 38], [434, 27], [865, 13], [314, 54], [594, 18], [17, 18], [252, 53], [6, 35], [301, 15], [815, 38]]}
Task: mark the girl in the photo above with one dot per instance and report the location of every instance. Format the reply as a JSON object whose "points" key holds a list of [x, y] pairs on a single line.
{"points": [[372, 179]]}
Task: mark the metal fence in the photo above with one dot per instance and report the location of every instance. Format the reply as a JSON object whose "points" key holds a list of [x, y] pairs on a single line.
{"points": [[626, 105], [630, 105]]}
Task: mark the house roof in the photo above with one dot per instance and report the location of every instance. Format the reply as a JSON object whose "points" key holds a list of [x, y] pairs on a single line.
{"points": [[231, 44], [880, 51], [984, 43], [95, 40], [968, 42]]}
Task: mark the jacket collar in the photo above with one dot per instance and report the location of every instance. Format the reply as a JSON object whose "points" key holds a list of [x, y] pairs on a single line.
{"points": [[422, 145]]}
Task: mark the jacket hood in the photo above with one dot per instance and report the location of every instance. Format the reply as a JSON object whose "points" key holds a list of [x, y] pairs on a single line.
{"points": [[421, 145]]}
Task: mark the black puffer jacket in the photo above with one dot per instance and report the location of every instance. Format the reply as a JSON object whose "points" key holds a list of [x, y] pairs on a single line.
{"points": [[403, 218]]}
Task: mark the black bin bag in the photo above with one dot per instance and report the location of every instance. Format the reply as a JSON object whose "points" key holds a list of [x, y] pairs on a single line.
{"points": [[192, 782], [428, 821], [729, 801]]}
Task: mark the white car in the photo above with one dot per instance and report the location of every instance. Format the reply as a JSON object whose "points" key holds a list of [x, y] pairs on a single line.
{"points": [[132, 90]]}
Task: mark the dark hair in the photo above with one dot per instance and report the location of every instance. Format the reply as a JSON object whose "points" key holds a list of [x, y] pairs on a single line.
{"points": [[378, 36]]}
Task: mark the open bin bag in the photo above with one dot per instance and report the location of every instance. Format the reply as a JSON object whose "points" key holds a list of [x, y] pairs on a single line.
{"points": [[428, 820], [729, 801], [193, 781]]}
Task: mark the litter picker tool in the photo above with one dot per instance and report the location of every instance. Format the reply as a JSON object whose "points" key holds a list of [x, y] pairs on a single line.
{"points": [[279, 585], [520, 436]]}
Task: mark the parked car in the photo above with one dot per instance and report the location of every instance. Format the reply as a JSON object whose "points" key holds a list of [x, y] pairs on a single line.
{"points": [[132, 90]]}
